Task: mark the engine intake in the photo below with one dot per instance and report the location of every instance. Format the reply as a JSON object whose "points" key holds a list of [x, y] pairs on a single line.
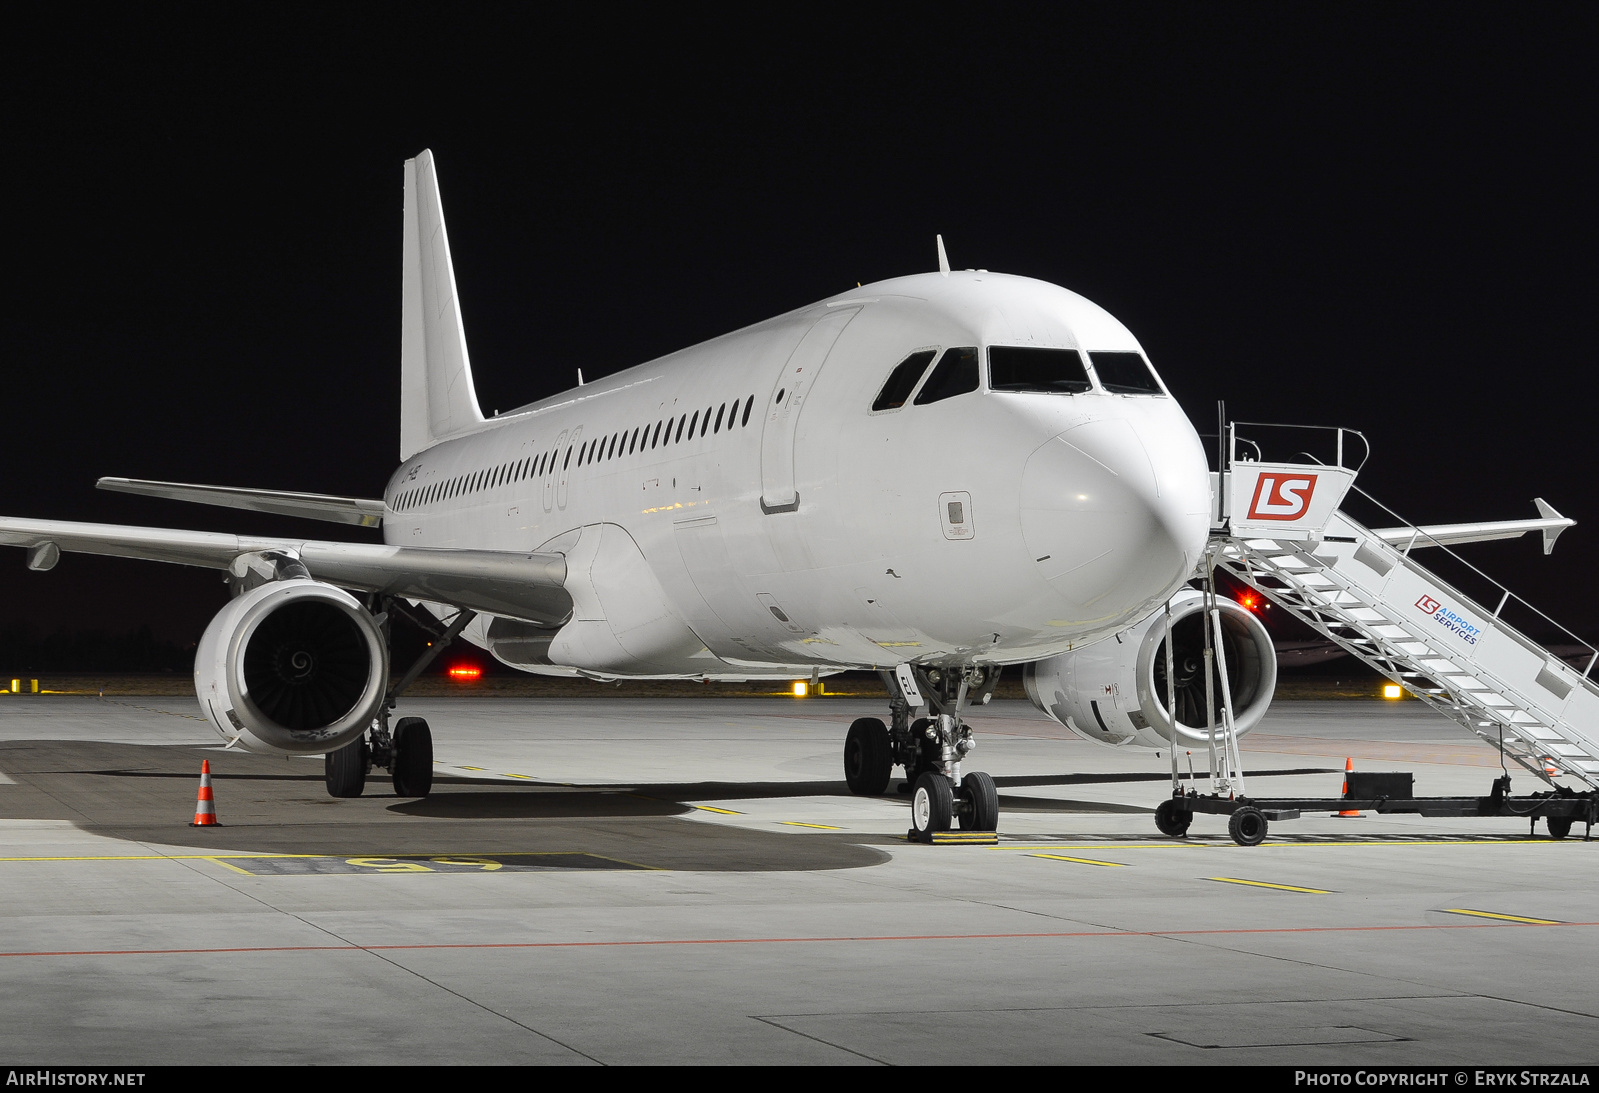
{"points": [[1115, 691], [292, 666]]}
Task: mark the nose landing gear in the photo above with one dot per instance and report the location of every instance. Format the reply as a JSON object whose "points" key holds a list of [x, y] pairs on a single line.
{"points": [[930, 749]]}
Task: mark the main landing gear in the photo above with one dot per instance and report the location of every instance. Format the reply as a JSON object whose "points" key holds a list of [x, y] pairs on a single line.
{"points": [[930, 749], [406, 750]]}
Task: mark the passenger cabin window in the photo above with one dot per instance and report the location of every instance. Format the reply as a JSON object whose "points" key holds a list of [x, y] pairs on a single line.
{"points": [[954, 374], [1125, 373], [1026, 368], [902, 380]]}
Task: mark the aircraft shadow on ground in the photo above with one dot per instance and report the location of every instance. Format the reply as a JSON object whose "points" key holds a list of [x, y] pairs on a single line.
{"points": [[534, 799], [146, 794]]}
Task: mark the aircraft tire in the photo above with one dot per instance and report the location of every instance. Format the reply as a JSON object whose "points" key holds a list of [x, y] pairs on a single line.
{"points": [[868, 758], [345, 769], [924, 753], [982, 802], [1247, 826], [1171, 821], [932, 805], [1559, 826], [413, 758]]}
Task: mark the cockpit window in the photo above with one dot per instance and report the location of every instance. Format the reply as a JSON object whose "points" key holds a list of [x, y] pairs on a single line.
{"points": [[954, 374], [1025, 368], [1125, 373], [902, 380]]}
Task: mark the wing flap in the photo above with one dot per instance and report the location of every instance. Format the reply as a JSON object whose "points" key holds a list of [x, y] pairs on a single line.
{"points": [[360, 511]]}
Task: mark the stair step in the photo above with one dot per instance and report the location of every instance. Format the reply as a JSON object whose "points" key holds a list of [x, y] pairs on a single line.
{"points": [[1346, 603]]}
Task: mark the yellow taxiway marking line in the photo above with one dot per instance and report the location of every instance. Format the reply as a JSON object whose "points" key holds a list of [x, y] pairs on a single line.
{"points": [[722, 811], [1503, 918], [1223, 843], [1080, 861], [820, 827], [223, 857], [1278, 887], [227, 865], [474, 768], [526, 777], [162, 857], [1097, 847]]}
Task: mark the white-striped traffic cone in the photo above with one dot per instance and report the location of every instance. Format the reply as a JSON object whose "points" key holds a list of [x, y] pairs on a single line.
{"points": [[205, 808]]}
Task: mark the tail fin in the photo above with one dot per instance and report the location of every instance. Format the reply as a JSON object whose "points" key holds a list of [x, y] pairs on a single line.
{"points": [[437, 399]]}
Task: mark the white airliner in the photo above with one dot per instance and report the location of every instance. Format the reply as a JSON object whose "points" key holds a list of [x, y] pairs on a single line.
{"points": [[932, 476]]}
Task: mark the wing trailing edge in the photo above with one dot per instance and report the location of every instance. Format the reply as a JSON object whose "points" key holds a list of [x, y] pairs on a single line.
{"points": [[1549, 523], [360, 511]]}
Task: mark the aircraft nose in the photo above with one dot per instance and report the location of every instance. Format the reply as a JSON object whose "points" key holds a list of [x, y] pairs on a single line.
{"points": [[1115, 514]]}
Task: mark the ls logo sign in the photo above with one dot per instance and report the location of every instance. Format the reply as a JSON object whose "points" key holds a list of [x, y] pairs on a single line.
{"points": [[1281, 496]]}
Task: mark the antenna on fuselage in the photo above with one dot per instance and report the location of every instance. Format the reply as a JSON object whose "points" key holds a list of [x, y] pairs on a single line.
{"points": [[580, 377], [943, 259]]}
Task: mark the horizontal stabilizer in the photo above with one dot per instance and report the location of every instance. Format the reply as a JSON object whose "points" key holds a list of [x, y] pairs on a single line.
{"points": [[1550, 523], [313, 506], [502, 582]]}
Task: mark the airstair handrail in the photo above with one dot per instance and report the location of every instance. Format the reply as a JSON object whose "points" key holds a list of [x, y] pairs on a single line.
{"points": [[1339, 430], [1505, 594], [1420, 535]]}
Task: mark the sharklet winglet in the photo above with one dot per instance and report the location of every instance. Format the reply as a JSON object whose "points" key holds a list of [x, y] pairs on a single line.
{"points": [[1547, 511]]}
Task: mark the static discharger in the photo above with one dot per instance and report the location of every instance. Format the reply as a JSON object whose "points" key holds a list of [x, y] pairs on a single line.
{"points": [[205, 808]]}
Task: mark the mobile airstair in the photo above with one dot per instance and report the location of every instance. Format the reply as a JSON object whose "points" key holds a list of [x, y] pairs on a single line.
{"points": [[1282, 529]]}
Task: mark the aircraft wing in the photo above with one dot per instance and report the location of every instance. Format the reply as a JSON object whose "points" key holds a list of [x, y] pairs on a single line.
{"points": [[1549, 522], [313, 506], [523, 586]]}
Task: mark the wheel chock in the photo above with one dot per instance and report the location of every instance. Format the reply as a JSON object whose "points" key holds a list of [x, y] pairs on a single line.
{"points": [[953, 838]]}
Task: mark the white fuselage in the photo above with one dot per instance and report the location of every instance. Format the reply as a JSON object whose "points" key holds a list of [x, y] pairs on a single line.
{"points": [[738, 508]]}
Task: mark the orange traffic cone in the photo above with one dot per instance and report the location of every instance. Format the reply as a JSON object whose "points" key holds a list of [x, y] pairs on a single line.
{"points": [[1349, 765], [205, 809]]}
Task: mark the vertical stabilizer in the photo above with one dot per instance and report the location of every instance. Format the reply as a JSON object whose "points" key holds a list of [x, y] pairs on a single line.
{"points": [[437, 399]]}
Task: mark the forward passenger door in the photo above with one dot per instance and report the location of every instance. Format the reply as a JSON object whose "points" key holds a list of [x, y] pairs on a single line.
{"points": [[786, 402]]}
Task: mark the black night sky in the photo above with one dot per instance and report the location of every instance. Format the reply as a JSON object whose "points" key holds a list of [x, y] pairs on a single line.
{"points": [[1323, 215]]}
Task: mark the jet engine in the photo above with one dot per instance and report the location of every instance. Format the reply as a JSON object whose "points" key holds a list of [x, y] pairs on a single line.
{"points": [[1115, 691], [292, 666]]}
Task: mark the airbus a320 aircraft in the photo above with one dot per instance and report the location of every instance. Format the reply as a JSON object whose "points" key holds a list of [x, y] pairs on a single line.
{"points": [[932, 476]]}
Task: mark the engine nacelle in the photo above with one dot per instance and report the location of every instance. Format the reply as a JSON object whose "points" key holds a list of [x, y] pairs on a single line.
{"points": [[292, 666], [1114, 691]]}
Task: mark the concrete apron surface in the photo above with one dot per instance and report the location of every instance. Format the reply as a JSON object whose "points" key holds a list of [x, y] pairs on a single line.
{"points": [[634, 880]]}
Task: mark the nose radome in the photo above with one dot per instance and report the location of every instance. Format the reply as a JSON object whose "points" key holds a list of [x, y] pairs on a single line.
{"points": [[1114, 519]]}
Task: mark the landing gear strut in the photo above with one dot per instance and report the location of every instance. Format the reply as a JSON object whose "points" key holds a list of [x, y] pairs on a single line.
{"points": [[406, 752], [930, 749]]}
